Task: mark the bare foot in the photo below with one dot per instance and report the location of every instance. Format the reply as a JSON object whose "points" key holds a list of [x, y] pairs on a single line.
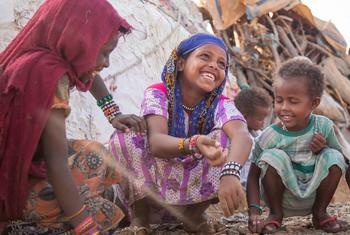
{"points": [[272, 224], [205, 226]]}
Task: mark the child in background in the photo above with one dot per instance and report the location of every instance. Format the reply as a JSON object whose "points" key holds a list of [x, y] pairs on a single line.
{"points": [[255, 104], [295, 181]]}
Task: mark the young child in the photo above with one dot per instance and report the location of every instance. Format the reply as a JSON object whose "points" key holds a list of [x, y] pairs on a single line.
{"points": [[255, 104], [295, 181], [189, 123]]}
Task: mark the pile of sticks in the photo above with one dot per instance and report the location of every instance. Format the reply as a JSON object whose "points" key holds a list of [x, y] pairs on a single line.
{"points": [[260, 45]]}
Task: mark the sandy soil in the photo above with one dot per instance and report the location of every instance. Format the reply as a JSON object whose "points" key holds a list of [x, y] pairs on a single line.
{"points": [[340, 207]]}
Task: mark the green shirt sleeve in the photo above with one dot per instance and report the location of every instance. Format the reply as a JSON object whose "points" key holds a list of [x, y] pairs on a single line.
{"points": [[331, 138]]}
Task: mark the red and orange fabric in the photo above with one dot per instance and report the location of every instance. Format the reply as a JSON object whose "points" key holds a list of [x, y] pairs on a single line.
{"points": [[94, 171], [47, 48]]}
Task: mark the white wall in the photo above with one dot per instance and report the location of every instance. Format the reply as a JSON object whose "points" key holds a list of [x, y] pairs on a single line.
{"points": [[7, 11], [135, 64]]}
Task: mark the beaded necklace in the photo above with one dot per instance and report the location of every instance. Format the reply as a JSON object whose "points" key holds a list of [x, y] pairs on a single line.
{"points": [[188, 108]]}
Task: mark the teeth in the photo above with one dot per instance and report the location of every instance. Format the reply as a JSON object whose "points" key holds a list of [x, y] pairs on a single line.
{"points": [[210, 76], [286, 117]]}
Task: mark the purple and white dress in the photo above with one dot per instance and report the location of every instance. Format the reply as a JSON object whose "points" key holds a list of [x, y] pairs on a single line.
{"points": [[172, 181]]}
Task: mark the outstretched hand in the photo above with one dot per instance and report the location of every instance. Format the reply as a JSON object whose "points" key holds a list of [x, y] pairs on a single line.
{"points": [[317, 143], [211, 150], [231, 195], [127, 122]]}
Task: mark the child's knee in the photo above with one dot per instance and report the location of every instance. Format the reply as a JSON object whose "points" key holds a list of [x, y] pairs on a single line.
{"points": [[271, 171], [335, 169]]}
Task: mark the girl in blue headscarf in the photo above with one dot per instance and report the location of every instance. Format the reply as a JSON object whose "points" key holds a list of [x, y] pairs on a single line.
{"points": [[195, 146]]}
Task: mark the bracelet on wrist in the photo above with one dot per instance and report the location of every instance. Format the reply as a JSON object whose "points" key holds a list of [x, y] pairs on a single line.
{"points": [[109, 107], [231, 168], [256, 206], [232, 165], [196, 154], [230, 173], [193, 144], [104, 100], [181, 145]]}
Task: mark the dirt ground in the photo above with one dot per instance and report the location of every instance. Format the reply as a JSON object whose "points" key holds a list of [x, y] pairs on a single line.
{"points": [[340, 207]]}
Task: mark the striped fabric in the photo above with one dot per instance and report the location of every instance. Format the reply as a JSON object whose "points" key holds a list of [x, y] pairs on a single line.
{"points": [[300, 170], [172, 181]]}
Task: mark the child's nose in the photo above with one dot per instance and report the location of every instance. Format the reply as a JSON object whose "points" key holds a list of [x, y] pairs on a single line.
{"points": [[212, 64], [284, 106]]}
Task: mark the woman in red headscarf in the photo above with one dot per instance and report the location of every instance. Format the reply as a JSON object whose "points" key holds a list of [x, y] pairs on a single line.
{"points": [[64, 45]]}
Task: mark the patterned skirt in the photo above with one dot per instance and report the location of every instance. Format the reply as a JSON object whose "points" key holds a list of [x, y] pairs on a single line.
{"points": [[94, 171], [300, 182], [167, 181]]}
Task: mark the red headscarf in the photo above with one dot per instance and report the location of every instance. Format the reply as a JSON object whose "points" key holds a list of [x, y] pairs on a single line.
{"points": [[63, 37]]}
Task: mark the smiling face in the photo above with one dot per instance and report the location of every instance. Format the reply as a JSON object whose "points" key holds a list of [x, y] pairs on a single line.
{"points": [[204, 68], [102, 60], [293, 102]]}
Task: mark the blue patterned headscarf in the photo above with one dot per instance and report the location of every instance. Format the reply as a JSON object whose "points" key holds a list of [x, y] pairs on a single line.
{"points": [[202, 118]]}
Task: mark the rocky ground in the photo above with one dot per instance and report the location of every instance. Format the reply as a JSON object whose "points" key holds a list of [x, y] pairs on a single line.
{"points": [[340, 207]]}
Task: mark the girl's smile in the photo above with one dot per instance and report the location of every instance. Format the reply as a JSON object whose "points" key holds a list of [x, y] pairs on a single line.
{"points": [[204, 69]]}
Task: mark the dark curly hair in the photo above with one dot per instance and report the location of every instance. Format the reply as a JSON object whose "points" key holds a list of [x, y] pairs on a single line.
{"points": [[302, 67], [250, 98]]}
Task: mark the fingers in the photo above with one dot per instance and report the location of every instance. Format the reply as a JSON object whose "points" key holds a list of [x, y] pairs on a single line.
{"points": [[241, 199], [226, 202], [317, 143], [224, 206], [136, 123], [218, 159], [210, 149], [131, 121], [255, 225], [231, 204], [225, 154], [213, 153], [204, 140], [313, 147], [120, 126], [252, 223], [143, 125], [230, 194], [319, 137]]}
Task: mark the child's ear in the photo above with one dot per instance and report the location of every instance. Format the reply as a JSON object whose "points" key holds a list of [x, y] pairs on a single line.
{"points": [[180, 64], [316, 102]]}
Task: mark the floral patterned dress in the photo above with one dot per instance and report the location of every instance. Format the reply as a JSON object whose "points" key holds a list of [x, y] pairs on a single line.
{"points": [[94, 171], [171, 181]]}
